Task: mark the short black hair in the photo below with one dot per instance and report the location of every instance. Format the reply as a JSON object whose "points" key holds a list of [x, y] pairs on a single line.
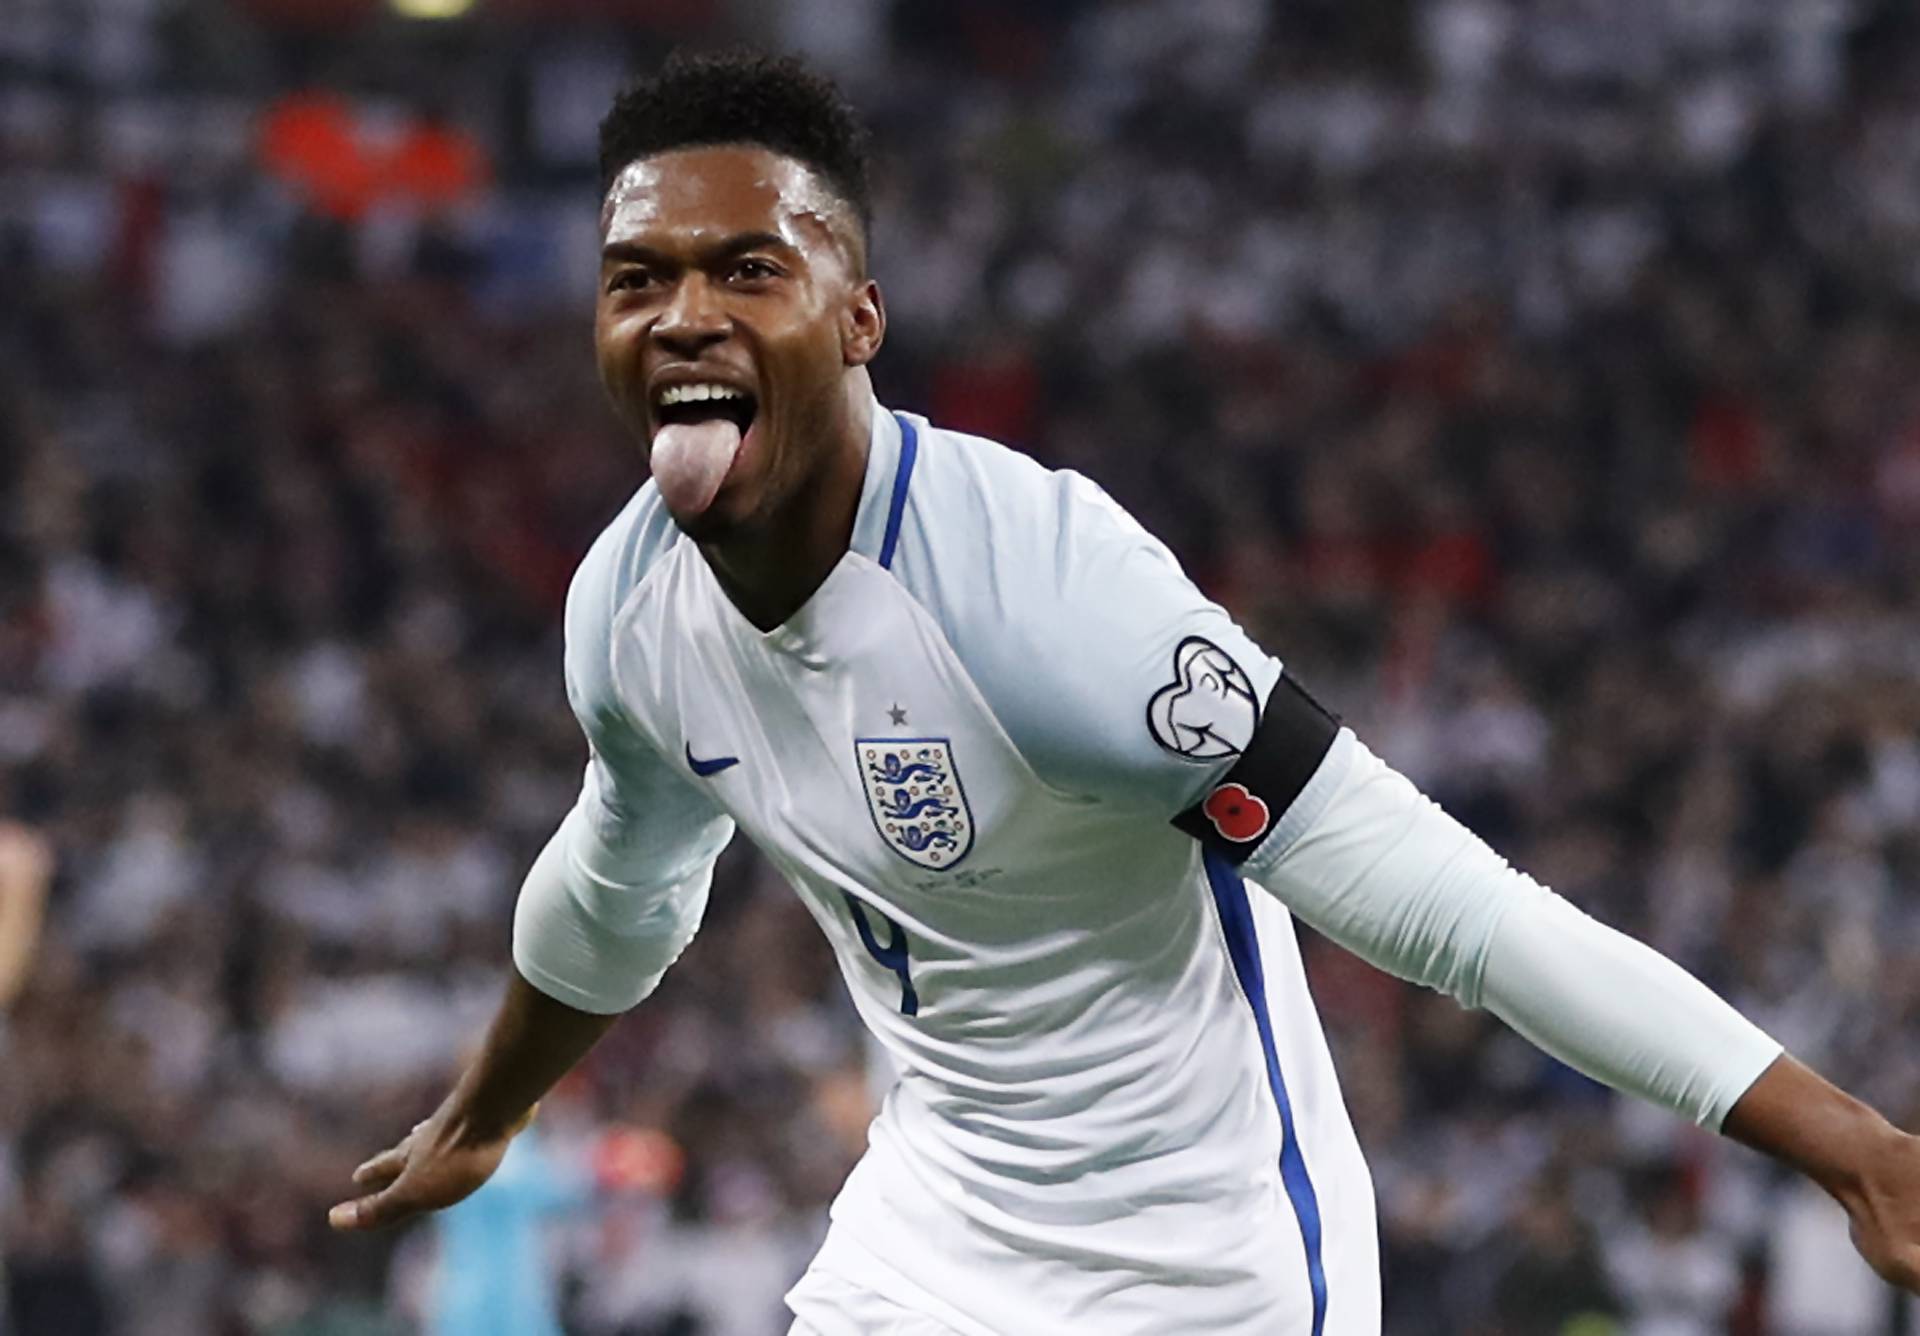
{"points": [[741, 96]]}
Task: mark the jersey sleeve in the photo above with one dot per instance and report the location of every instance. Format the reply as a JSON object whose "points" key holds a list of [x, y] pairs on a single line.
{"points": [[1383, 871], [643, 820], [620, 889], [1141, 690]]}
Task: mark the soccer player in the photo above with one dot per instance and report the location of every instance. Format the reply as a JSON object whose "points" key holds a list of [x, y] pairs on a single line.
{"points": [[1021, 772]]}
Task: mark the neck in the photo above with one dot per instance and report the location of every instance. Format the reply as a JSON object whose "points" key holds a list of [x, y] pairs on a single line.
{"points": [[772, 571]]}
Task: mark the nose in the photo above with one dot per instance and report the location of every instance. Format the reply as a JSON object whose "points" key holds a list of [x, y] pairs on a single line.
{"points": [[693, 321]]}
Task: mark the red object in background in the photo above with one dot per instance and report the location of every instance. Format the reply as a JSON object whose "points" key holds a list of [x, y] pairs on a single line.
{"points": [[1726, 445], [143, 215], [331, 151], [1352, 993], [995, 394], [638, 1159], [1454, 564]]}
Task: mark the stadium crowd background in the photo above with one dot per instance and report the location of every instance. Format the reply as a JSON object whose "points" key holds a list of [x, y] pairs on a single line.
{"points": [[1537, 378]]}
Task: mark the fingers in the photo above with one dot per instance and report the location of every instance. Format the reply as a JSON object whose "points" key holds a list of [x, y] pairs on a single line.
{"points": [[382, 1169], [360, 1213], [372, 1212]]}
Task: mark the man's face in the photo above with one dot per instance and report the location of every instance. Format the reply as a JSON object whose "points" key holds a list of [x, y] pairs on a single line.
{"points": [[731, 291]]}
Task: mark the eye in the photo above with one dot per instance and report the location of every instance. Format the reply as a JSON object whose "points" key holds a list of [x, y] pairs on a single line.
{"points": [[754, 270], [631, 279]]}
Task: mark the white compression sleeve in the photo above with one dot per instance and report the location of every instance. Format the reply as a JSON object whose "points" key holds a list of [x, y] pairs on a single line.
{"points": [[600, 944], [1381, 870]]}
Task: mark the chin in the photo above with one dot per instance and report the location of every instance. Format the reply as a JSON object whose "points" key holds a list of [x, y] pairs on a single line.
{"points": [[725, 518], [706, 527]]}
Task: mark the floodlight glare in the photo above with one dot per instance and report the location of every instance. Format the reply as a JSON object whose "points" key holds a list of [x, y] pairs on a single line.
{"points": [[431, 9]]}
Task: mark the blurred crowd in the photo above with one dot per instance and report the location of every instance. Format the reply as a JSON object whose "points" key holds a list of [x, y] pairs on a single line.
{"points": [[1535, 376]]}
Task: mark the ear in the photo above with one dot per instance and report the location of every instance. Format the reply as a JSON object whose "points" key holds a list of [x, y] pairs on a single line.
{"points": [[863, 325]]}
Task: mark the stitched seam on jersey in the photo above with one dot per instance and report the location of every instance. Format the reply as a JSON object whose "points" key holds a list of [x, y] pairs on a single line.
{"points": [[902, 476], [1223, 882]]}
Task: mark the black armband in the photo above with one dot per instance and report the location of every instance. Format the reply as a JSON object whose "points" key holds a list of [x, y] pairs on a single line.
{"points": [[1290, 738]]}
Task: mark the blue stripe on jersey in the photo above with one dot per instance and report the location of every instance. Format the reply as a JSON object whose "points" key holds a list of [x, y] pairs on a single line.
{"points": [[1236, 918], [909, 448]]}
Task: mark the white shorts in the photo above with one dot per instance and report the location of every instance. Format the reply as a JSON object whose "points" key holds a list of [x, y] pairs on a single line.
{"points": [[837, 1307]]}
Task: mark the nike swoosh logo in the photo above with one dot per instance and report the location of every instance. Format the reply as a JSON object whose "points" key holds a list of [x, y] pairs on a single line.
{"points": [[712, 765]]}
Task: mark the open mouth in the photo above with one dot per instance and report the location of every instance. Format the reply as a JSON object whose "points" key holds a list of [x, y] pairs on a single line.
{"points": [[678, 404]]}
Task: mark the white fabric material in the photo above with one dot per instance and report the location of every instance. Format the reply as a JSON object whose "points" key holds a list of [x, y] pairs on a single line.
{"points": [[597, 944], [1383, 871], [826, 1303], [618, 891], [1620, 1011], [1085, 1121], [1067, 616], [1084, 1128]]}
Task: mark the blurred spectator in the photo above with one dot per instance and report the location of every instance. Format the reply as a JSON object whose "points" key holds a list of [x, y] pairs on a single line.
{"points": [[1677, 1279], [1554, 1282], [26, 867], [1537, 380], [495, 1272], [1820, 1286]]}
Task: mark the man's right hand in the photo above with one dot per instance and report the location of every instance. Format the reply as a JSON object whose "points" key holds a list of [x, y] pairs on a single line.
{"points": [[434, 1166], [532, 1042]]}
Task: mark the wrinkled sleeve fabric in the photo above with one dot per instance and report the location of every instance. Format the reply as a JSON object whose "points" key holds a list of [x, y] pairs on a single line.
{"points": [[618, 892], [1376, 866], [1117, 679]]}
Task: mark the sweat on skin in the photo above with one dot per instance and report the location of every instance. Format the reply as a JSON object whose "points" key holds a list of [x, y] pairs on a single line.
{"points": [[723, 267]]}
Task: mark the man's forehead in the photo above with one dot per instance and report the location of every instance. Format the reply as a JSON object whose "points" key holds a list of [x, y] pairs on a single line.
{"points": [[720, 191]]}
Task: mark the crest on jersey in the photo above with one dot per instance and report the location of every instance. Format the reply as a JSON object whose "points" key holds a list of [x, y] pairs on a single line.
{"points": [[1208, 712], [915, 798]]}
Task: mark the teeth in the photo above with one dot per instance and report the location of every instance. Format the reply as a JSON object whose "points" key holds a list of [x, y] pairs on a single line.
{"points": [[686, 394]]}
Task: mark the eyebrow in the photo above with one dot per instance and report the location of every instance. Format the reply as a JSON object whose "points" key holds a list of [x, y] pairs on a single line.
{"points": [[739, 244]]}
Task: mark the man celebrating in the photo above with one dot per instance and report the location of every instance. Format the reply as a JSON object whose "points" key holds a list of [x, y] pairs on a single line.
{"points": [[1017, 767]]}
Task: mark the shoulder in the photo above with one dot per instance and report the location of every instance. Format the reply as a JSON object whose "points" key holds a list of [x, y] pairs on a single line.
{"points": [[981, 518], [619, 560], [1071, 619]]}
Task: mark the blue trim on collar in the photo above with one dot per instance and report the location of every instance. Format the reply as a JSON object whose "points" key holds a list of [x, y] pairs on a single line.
{"points": [[902, 475]]}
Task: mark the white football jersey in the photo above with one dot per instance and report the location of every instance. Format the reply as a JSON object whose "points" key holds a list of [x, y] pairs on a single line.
{"points": [[1116, 1112]]}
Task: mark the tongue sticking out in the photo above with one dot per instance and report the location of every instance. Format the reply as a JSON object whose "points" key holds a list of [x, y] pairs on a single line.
{"points": [[690, 460]]}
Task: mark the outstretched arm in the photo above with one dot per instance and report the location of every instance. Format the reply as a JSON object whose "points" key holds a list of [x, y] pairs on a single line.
{"points": [[609, 904], [1864, 1162], [1365, 858], [532, 1043], [593, 933]]}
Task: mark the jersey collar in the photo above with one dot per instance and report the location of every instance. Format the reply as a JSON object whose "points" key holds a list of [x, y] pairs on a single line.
{"points": [[892, 444], [870, 520]]}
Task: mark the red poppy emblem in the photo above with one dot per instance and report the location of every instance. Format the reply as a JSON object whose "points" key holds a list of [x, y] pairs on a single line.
{"points": [[1236, 813]]}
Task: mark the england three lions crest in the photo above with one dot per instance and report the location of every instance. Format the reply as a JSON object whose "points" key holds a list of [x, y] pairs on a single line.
{"points": [[915, 798]]}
